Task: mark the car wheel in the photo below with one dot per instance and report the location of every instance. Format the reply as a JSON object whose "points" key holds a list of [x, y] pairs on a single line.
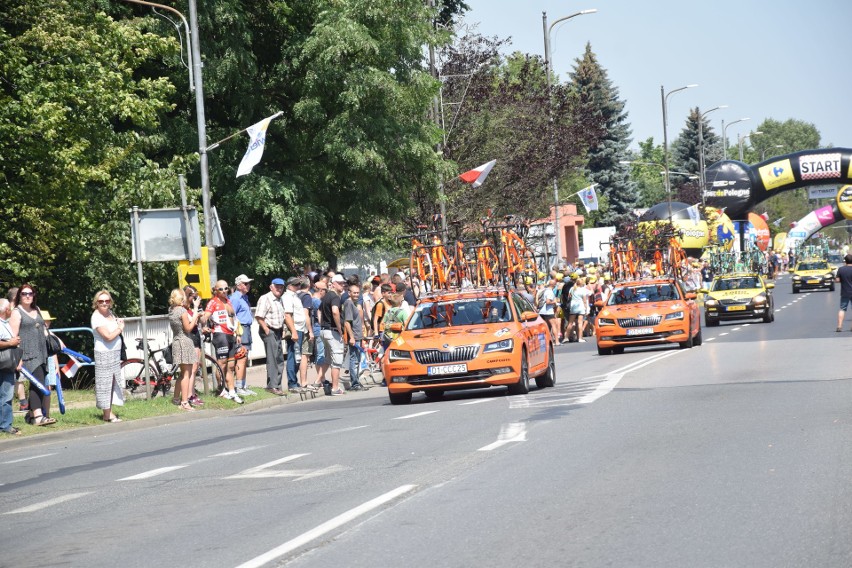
{"points": [[523, 384], [795, 290], [548, 379], [768, 316], [688, 343], [434, 394], [399, 398], [831, 288], [698, 338], [618, 350], [772, 316], [604, 351]]}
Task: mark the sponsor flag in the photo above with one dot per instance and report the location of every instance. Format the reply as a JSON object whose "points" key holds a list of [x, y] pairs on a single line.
{"points": [[70, 368], [589, 198], [694, 214], [257, 141], [476, 176]]}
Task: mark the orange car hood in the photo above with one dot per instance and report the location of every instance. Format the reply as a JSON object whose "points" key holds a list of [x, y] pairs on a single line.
{"points": [[452, 336]]}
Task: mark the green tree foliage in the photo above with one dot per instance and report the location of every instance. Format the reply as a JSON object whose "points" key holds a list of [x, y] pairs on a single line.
{"points": [[79, 119], [599, 97], [646, 175], [499, 109], [791, 135]]}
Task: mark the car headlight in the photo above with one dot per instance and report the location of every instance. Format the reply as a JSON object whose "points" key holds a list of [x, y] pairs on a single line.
{"points": [[829, 276], [711, 302], [502, 345], [796, 277], [399, 355], [759, 299], [606, 321], [674, 316]]}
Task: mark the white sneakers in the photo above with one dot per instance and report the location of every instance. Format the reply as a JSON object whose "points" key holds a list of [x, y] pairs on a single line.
{"points": [[246, 392], [231, 396]]}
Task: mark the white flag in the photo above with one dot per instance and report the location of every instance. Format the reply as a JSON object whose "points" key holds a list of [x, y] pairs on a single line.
{"points": [[589, 198], [694, 214], [257, 136]]}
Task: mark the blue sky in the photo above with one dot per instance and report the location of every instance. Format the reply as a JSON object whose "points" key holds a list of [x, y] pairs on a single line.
{"points": [[764, 59]]}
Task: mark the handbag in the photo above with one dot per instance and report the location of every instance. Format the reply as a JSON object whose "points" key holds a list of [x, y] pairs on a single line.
{"points": [[54, 346], [123, 354], [10, 358]]}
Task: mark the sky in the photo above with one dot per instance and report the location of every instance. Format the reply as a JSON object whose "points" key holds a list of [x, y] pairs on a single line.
{"points": [[777, 59]]}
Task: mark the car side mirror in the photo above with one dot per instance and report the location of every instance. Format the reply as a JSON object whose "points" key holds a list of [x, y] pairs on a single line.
{"points": [[704, 291], [770, 286], [396, 327], [690, 295], [529, 316]]}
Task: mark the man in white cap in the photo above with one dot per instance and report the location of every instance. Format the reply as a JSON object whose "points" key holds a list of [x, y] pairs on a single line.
{"points": [[242, 309]]}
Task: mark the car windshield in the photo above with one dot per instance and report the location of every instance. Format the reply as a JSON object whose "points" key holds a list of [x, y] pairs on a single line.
{"points": [[818, 265], [836, 258], [460, 312], [639, 294], [735, 283]]}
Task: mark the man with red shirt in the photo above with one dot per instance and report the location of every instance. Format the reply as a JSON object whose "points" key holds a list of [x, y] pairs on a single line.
{"points": [[220, 312]]}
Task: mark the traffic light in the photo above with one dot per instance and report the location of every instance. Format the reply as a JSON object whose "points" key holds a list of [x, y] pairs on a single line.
{"points": [[196, 273]]}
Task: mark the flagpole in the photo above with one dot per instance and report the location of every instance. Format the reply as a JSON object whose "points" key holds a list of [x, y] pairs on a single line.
{"points": [[215, 145]]}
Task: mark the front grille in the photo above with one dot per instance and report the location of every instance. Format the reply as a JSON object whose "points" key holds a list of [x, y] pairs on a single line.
{"points": [[734, 302], [454, 355], [646, 321], [471, 376]]}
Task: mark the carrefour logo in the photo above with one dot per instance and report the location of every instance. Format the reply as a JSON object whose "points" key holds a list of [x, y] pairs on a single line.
{"points": [[777, 174]]}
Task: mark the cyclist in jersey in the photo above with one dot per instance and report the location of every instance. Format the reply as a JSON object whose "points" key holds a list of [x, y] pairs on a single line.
{"points": [[220, 314]]}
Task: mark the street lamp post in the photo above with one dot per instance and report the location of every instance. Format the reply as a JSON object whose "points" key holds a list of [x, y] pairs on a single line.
{"points": [[701, 174], [664, 96], [725, 136], [741, 141], [547, 69], [763, 152]]}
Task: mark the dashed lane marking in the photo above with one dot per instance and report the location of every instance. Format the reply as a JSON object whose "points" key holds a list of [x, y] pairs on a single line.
{"points": [[415, 415], [341, 430], [478, 401], [512, 432], [49, 503], [236, 452], [153, 473], [265, 471], [29, 458]]}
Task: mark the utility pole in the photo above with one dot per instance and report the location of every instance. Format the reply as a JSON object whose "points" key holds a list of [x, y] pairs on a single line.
{"points": [[436, 116]]}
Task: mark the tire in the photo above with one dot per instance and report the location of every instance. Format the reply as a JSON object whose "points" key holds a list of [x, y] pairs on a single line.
{"points": [[831, 288], [689, 342], [699, 339], [604, 351], [768, 316], [434, 394], [618, 350], [523, 384], [711, 322], [215, 374], [548, 379], [399, 398], [133, 374], [795, 290]]}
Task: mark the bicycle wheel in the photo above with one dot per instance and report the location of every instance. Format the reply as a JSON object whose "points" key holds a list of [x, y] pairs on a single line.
{"points": [[215, 374], [133, 374]]}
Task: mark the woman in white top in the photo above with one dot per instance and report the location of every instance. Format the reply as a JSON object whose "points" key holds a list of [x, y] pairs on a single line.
{"points": [[107, 331], [578, 309]]}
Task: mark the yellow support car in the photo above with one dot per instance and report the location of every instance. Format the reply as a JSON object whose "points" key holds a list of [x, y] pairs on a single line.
{"points": [[741, 295], [812, 273]]}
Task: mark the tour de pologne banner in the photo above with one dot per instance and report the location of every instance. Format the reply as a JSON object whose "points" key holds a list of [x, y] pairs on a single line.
{"points": [[737, 187]]}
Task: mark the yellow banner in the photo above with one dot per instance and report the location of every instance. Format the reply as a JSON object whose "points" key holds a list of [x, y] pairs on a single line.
{"points": [[777, 174], [844, 200]]}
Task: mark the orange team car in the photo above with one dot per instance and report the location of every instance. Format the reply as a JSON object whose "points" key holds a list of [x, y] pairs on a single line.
{"points": [[647, 312], [467, 340]]}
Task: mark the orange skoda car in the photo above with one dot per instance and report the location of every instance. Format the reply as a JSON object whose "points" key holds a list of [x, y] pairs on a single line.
{"points": [[466, 340], [647, 312]]}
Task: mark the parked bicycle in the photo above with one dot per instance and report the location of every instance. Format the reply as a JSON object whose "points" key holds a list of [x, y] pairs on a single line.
{"points": [[162, 370]]}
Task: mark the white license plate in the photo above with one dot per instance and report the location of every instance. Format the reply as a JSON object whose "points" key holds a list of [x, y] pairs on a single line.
{"points": [[640, 331], [447, 369]]}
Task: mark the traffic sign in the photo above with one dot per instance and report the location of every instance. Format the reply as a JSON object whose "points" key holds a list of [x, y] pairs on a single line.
{"points": [[196, 273]]}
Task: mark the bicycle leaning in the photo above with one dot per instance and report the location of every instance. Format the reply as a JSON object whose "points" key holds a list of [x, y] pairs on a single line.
{"points": [[162, 370]]}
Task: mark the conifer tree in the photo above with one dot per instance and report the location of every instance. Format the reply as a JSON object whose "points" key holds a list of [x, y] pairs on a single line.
{"points": [[598, 96]]}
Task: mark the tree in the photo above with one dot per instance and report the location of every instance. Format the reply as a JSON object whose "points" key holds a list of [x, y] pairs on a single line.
{"points": [[79, 120], [505, 115], [599, 97]]}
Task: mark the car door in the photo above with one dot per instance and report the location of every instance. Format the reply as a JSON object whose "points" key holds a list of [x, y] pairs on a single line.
{"points": [[532, 332]]}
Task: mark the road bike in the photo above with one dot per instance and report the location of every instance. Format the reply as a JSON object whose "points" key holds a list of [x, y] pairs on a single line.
{"points": [[162, 370]]}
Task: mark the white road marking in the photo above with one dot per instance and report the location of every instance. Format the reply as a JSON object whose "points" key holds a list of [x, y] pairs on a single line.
{"points": [[49, 503], [735, 329], [330, 432], [710, 339], [29, 458], [235, 452], [477, 401], [512, 432], [746, 324], [326, 527], [263, 471], [721, 334], [407, 416], [153, 473]]}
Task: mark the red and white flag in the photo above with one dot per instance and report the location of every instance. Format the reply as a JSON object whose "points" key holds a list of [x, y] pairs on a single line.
{"points": [[70, 368], [476, 176]]}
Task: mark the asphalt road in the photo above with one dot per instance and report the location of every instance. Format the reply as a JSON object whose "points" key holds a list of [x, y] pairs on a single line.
{"points": [[735, 453]]}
